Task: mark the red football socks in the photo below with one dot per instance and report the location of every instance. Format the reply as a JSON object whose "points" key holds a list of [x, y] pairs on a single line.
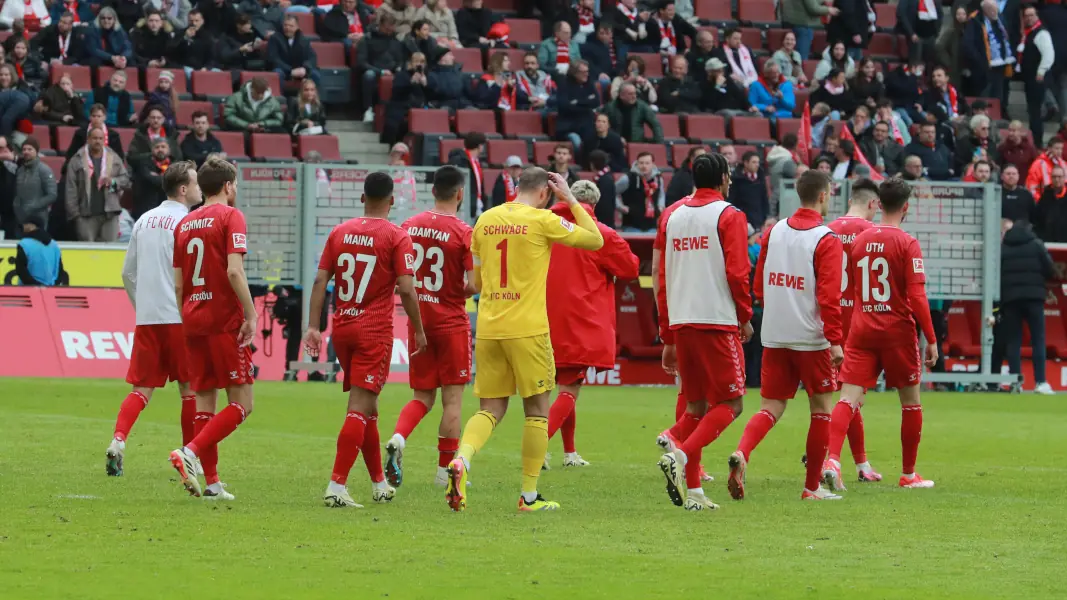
{"points": [[710, 428], [218, 428], [372, 450], [188, 416], [679, 407], [818, 435], [208, 455], [410, 417], [840, 421], [349, 441], [131, 408], [446, 450], [562, 408], [856, 441], [911, 431], [566, 431], [685, 426], [755, 431]]}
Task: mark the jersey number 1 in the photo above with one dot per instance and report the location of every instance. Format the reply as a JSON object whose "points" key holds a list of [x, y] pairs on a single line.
{"points": [[347, 263], [503, 247]]}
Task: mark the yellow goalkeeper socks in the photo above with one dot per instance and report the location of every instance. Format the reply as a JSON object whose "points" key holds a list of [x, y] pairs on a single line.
{"points": [[534, 447], [476, 434]]}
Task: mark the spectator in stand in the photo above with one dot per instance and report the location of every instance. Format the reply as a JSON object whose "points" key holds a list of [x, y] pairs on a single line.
{"points": [[844, 160], [94, 182], [643, 195], [803, 16], [290, 54], [583, 20], [473, 22], [1017, 149], [898, 130], [701, 52], [252, 108], [421, 40], [199, 143], [306, 115], [165, 98], [866, 87], [681, 184], [81, 12], [116, 100], [60, 43], [194, 48], [600, 53], [884, 153], [1025, 270], [605, 182], [147, 174], [678, 94], [242, 49], [634, 74], [835, 57], [978, 141], [401, 10], [1016, 203], [18, 32], [722, 95], [27, 66], [860, 123], [129, 12], [33, 14], [1037, 58], [154, 128], [607, 141], [346, 22], [1050, 216], [988, 53], [830, 145], [442, 22], [266, 15], [748, 190], [35, 186], [920, 21], [729, 152], [175, 12], [378, 53], [981, 171], [820, 121], [738, 59], [949, 53], [668, 31], [630, 28], [97, 118], [60, 105], [498, 89], [628, 115], [772, 95], [783, 163], [834, 93], [561, 163], [470, 158], [936, 159], [14, 100], [824, 164], [942, 94], [220, 17], [409, 91], [853, 25], [789, 60], [107, 43], [1039, 175], [448, 86], [904, 89], [556, 53], [38, 260], [506, 187], [539, 87]]}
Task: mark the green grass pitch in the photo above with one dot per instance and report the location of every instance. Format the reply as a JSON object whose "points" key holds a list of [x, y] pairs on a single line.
{"points": [[994, 527]]}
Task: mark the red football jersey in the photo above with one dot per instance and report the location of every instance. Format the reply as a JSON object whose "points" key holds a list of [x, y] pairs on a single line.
{"points": [[203, 241], [847, 228], [660, 243], [885, 262], [442, 247], [366, 255]]}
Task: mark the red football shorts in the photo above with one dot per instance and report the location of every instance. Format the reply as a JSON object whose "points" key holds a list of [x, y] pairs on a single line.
{"points": [[218, 362], [570, 375], [902, 366], [159, 356], [784, 368], [445, 361], [711, 364], [364, 360]]}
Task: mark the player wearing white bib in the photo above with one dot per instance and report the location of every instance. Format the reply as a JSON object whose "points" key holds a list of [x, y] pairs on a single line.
{"points": [[798, 280], [158, 345]]}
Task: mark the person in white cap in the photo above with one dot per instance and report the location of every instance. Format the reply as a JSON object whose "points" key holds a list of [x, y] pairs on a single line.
{"points": [[507, 184]]}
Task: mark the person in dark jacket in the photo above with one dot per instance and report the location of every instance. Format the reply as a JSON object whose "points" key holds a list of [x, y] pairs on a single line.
{"points": [[942, 99], [446, 84], [903, 87], [195, 47], [577, 99], [834, 93], [409, 91], [8, 224], [83, 11], [378, 53], [866, 87], [678, 94], [851, 26], [631, 29], [29, 65], [153, 129], [220, 16], [643, 195], [421, 40], [506, 186], [605, 182], [97, 118], [629, 115], [200, 142], [470, 158], [61, 41], [882, 151], [38, 260], [920, 26], [152, 40], [266, 15], [936, 157], [668, 31], [608, 142], [241, 49], [1025, 267], [682, 183], [598, 52], [107, 43], [147, 174], [722, 95], [128, 12], [1016, 202], [748, 191], [346, 22], [1050, 219], [988, 54], [290, 54], [116, 101], [60, 105], [473, 22]]}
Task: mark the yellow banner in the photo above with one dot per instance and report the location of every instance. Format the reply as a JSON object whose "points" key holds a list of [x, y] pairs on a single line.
{"points": [[87, 265]]}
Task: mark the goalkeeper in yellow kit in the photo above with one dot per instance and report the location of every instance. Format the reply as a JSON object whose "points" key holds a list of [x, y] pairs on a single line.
{"points": [[512, 246]]}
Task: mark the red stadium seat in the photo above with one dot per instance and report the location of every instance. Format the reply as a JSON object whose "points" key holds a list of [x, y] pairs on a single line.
{"points": [[671, 125], [775, 37], [741, 149], [752, 38], [326, 145], [959, 331], [636, 329], [543, 151], [331, 55], [471, 59], [306, 22], [55, 163], [524, 31], [716, 11], [659, 153], [138, 106], [882, 45], [489, 177], [788, 126], [809, 67], [886, 16], [446, 145], [679, 152], [522, 123], [757, 12], [271, 77], [63, 137], [705, 127], [187, 108], [233, 143], [802, 99], [818, 44], [151, 77], [211, 84], [653, 63], [385, 88], [81, 77], [429, 120], [499, 150], [271, 146], [133, 81], [508, 6], [481, 121], [125, 134]]}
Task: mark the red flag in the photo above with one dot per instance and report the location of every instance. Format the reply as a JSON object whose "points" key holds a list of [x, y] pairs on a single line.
{"points": [[857, 155], [804, 139]]}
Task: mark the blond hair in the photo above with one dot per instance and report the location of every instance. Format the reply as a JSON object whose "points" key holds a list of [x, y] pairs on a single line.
{"points": [[586, 191]]}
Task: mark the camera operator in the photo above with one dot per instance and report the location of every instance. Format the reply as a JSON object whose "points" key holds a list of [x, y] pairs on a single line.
{"points": [[287, 311]]}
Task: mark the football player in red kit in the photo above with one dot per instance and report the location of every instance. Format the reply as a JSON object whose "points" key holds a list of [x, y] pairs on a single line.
{"points": [[798, 280], [581, 313], [444, 270], [219, 321], [890, 297], [368, 257]]}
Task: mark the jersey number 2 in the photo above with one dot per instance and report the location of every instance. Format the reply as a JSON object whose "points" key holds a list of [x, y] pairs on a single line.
{"points": [[196, 245], [436, 259], [347, 263], [879, 268]]}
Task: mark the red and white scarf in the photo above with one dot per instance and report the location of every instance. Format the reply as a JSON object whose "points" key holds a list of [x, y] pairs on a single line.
{"points": [[72, 8], [563, 52], [927, 11], [586, 19], [602, 172], [668, 41], [511, 191], [30, 18], [153, 137], [477, 168], [64, 45], [1026, 35], [354, 24], [895, 131], [953, 101], [834, 90], [631, 15], [90, 169], [650, 188], [742, 66]]}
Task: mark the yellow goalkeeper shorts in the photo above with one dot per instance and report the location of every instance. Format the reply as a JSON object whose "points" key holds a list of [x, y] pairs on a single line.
{"points": [[523, 364]]}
